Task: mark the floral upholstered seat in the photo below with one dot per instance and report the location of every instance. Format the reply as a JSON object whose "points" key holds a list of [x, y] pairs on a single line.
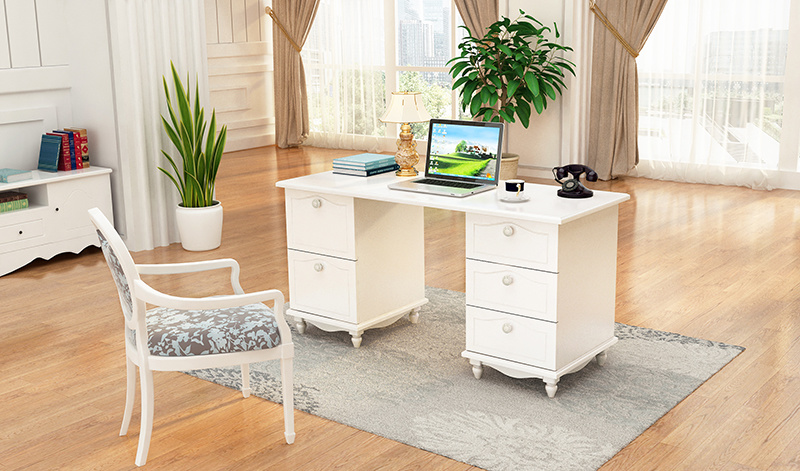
{"points": [[178, 332]]}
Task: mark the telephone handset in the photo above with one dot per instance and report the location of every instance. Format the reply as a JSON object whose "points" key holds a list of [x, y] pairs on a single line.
{"points": [[571, 187]]}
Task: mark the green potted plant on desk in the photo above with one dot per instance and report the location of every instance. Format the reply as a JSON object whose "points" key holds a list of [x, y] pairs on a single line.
{"points": [[511, 70], [198, 215]]}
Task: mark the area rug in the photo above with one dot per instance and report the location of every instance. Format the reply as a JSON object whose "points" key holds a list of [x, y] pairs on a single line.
{"points": [[408, 382]]}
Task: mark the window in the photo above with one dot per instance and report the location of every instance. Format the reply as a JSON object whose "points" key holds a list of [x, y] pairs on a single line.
{"points": [[348, 76], [712, 87]]}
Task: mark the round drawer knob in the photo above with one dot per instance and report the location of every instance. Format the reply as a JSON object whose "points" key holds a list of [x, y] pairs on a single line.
{"points": [[507, 327], [508, 231], [318, 267], [508, 280], [316, 203]]}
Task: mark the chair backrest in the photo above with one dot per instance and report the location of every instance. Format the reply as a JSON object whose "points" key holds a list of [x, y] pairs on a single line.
{"points": [[123, 271]]}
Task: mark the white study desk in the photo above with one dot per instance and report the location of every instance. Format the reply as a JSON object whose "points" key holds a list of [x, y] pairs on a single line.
{"points": [[540, 275]]}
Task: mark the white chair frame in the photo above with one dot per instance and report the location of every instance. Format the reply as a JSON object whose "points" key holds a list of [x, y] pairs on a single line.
{"points": [[138, 354]]}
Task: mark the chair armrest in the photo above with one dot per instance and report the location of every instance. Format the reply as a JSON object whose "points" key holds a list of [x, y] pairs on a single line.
{"points": [[193, 267], [146, 293]]}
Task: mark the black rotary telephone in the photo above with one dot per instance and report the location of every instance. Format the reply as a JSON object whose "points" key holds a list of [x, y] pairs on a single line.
{"points": [[571, 187]]}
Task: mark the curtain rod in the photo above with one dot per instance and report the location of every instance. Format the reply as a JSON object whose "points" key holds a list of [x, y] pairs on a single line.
{"points": [[272, 15]]}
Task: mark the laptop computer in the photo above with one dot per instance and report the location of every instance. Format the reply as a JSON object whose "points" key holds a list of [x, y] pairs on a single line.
{"points": [[463, 159]]}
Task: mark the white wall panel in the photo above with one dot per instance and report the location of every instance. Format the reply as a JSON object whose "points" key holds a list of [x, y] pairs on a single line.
{"points": [[22, 33], [5, 56], [254, 14], [239, 20], [212, 36], [240, 71], [52, 29], [240, 80], [24, 128], [224, 21]]}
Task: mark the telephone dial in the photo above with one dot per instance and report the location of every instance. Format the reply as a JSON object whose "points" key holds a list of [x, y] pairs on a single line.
{"points": [[570, 178]]}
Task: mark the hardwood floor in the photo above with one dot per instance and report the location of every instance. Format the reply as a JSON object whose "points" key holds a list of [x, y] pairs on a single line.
{"points": [[713, 262]]}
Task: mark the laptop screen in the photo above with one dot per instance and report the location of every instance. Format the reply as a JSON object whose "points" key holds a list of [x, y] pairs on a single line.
{"points": [[464, 150]]}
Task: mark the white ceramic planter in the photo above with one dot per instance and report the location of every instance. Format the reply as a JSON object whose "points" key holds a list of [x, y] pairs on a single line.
{"points": [[200, 228]]}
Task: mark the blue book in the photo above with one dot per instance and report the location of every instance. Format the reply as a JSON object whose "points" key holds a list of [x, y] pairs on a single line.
{"points": [[364, 161], [71, 146], [366, 172], [49, 152], [11, 175]]}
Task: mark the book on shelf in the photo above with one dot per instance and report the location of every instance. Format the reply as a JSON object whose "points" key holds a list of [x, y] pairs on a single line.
{"points": [[366, 172], [73, 151], [12, 175], [83, 140], [364, 161], [49, 153], [12, 201], [63, 161]]}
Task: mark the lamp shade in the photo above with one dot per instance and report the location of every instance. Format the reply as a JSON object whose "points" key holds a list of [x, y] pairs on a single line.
{"points": [[406, 107]]}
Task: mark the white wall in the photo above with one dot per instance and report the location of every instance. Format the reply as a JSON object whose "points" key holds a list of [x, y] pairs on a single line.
{"points": [[240, 73]]}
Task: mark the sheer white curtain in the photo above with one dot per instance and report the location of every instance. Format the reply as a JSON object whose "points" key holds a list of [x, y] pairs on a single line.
{"points": [[711, 88], [145, 36], [344, 57]]}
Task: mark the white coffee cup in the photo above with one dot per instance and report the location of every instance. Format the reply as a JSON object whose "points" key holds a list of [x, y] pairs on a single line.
{"points": [[513, 190]]}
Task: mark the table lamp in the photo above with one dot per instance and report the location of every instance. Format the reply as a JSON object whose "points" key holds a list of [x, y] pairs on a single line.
{"points": [[406, 108]]}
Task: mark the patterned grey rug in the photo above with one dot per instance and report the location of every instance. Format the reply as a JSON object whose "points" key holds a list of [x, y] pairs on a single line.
{"points": [[409, 383]]}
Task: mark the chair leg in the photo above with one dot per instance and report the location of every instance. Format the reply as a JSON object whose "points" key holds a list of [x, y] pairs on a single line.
{"points": [[130, 394], [246, 380], [146, 428], [288, 399]]}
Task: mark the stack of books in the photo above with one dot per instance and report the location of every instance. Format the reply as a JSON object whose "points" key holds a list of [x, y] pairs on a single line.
{"points": [[12, 201], [64, 149], [365, 165]]}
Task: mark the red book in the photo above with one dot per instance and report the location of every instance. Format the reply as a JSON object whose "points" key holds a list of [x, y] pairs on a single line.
{"points": [[84, 141], [64, 161]]}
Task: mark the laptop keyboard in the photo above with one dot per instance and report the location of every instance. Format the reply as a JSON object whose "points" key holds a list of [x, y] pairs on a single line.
{"points": [[430, 181]]}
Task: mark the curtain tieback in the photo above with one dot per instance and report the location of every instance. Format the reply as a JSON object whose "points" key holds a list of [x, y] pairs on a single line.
{"points": [[602, 17], [272, 15]]}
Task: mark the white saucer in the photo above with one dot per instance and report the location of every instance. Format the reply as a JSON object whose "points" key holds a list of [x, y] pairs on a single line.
{"points": [[516, 200]]}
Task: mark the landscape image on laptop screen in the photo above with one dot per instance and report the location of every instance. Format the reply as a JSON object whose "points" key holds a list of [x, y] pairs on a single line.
{"points": [[460, 150]]}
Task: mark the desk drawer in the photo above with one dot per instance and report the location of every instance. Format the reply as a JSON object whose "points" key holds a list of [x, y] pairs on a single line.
{"points": [[529, 293], [511, 337], [322, 285], [320, 223], [520, 243]]}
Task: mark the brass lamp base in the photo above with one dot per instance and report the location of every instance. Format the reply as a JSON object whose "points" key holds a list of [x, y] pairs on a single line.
{"points": [[407, 155]]}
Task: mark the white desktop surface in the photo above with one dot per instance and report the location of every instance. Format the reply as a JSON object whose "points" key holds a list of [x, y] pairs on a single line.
{"points": [[544, 204]]}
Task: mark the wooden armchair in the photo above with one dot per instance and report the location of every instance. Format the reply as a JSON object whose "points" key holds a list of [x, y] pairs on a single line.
{"points": [[182, 333]]}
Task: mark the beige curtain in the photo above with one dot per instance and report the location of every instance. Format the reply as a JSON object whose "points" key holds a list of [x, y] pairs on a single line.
{"points": [[291, 101], [614, 114], [478, 14]]}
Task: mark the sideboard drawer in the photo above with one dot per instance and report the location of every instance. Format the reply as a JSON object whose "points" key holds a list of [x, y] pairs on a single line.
{"points": [[521, 243], [320, 223], [522, 291], [9, 234], [322, 285], [511, 337]]}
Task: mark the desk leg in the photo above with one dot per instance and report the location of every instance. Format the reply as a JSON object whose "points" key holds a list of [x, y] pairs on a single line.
{"points": [[551, 386], [477, 368], [356, 334], [301, 326], [413, 316]]}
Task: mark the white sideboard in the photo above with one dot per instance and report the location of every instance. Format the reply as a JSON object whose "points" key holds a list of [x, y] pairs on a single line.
{"points": [[540, 275], [56, 220]]}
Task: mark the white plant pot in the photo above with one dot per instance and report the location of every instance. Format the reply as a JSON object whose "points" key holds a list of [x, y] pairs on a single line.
{"points": [[200, 228]]}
